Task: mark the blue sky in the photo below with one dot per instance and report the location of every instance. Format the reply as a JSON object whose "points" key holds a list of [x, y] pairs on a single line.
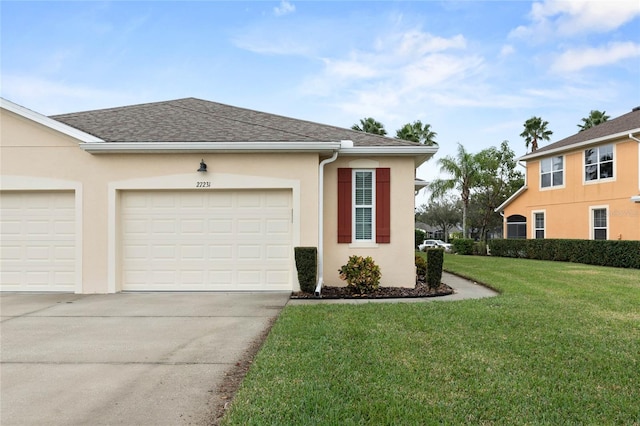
{"points": [[474, 70]]}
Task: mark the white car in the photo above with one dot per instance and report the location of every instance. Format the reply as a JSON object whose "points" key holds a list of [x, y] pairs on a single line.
{"points": [[435, 244]]}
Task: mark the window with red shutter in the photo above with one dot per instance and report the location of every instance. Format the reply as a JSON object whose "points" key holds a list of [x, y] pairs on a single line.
{"points": [[359, 208]]}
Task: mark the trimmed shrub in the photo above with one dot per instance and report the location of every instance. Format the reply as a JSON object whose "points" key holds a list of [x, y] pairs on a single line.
{"points": [[420, 236], [619, 254], [462, 245], [421, 266], [307, 266], [435, 260], [361, 274]]}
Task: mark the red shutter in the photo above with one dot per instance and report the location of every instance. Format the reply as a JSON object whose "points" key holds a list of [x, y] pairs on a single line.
{"points": [[345, 205], [383, 205]]}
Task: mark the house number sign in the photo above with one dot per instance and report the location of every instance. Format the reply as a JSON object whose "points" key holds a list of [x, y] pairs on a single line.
{"points": [[203, 184]]}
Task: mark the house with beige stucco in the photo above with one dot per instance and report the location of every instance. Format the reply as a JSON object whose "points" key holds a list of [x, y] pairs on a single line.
{"points": [[586, 186], [192, 195]]}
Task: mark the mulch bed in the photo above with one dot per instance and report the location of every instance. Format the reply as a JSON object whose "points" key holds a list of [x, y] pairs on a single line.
{"points": [[420, 290]]}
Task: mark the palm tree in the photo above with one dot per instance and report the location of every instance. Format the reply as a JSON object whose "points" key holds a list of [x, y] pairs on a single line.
{"points": [[535, 129], [464, 176], [369, 125], [595, 117], [417, 132]]}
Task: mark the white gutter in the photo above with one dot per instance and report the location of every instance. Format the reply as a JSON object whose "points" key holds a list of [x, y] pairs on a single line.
{"points": [[321, 216], [174, 147], [421, 152]]}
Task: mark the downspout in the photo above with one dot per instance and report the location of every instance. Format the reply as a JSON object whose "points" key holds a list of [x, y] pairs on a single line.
{"points": [[321, 221]]}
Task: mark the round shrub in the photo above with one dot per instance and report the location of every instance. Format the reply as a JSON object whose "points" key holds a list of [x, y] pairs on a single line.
{"points": [[361, 274], [421, 266]]}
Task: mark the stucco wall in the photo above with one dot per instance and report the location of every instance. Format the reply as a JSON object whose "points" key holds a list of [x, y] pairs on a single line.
{"points": [[396, 260], [567, 209], [32, 155]]}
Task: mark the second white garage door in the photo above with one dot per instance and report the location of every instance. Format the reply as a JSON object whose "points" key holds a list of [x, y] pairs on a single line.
{"points": [[37, 241], [210, 240]]}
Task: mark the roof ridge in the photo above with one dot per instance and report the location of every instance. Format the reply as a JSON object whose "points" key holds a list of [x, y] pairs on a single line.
{"points": [[356, 132], [119, 108], [235, 119]]}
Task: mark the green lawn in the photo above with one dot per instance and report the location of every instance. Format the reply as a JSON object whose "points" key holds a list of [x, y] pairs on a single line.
{"points": [[560, 345]]}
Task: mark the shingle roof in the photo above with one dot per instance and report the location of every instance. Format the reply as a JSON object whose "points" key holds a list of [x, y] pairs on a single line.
{"points": [[196, 120], [625, 123]]}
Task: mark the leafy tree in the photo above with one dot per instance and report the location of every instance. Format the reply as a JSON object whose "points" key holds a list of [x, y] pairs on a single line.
{"points": [[370, 125], [595, 117], [417, 132], [535, 129], [498, 179], [464, 177], [444, 214]]}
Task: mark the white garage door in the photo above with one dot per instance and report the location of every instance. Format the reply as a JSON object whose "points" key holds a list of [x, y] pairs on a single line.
{"points": [[37, 241], [213, 240]]}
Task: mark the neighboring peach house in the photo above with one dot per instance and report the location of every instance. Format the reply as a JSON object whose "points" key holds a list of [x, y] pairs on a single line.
{"points": [[586, 186], [192, 195]]}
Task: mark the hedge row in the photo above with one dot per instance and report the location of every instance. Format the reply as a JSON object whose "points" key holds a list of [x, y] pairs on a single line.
{"points": [[619, 254], [462, 245]]}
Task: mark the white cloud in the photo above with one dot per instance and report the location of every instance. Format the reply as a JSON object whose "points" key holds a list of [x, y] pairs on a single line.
{"points": [[52, 97], [578, 59], [417, 43], [568, 18], [399, 73], [285, 8], [350, 69], [507, 50], [280, 45]]}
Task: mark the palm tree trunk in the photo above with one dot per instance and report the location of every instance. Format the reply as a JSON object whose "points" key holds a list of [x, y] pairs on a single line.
{"points": [[464, 220]]}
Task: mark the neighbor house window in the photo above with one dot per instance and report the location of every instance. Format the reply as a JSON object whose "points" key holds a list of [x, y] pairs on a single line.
{"points": [[516, 227], [364, 205], [599, 221], [538, 223], [552, 172], [598, 163]]}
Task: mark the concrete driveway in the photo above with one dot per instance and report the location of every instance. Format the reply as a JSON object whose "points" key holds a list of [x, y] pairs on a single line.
{"points": [[128, 358]]}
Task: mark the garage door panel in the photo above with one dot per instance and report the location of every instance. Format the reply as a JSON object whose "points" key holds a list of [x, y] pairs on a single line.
{"points": [[277, 252], [221, 252], [213, 240], [249, 226], [164, 226], [37, 241]]}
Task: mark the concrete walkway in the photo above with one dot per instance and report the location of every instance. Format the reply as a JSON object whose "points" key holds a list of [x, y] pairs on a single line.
{"points": [[463, 289]]}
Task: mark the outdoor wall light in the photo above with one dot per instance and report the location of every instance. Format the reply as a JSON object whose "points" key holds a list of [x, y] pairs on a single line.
{"points": [[203, 166]]}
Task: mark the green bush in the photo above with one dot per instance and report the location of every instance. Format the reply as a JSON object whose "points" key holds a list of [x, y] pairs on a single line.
{"points": [[361, 274], [307, 266], [480, 248], [435, 260], [619, 254], [462, 245], [421, 266]]}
